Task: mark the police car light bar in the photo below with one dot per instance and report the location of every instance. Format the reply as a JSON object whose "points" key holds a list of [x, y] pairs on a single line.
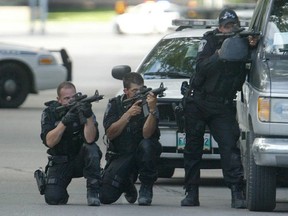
{"points": [[195, 22], [202, 23]]}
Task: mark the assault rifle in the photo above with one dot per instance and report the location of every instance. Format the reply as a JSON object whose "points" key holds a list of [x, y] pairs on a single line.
{"points": [[76, 101], [142, 96], [240, 32], [235, 46]]}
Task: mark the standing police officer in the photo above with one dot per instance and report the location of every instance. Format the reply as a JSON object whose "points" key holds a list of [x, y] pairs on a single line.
{"points": [[133, 146], [72, 148], [214, 86]]}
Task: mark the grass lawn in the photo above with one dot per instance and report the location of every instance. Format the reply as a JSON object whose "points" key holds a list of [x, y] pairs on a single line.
{"points": [[89, 15]]}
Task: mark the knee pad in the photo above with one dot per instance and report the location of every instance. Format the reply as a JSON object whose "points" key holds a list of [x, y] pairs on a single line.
{"points": [[93, 150], [56, 195], [118, 172]]}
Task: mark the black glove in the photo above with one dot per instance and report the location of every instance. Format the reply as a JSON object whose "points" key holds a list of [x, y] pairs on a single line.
{"points": [[86, 109], [69, 118]]}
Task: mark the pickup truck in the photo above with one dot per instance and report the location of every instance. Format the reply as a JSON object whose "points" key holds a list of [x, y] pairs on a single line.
{"points": [[262, 106]]}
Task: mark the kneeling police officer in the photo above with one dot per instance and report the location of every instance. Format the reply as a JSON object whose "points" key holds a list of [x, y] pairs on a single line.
{"points": [[72, 148], [133, 146]]}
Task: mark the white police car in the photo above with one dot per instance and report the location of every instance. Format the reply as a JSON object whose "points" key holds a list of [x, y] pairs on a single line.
{"points": [[25, 70], [172, 61]]}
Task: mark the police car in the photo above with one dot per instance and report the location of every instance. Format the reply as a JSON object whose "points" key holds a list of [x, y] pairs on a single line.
{"points": [[25, 70], [148, 17], [172, 62]]}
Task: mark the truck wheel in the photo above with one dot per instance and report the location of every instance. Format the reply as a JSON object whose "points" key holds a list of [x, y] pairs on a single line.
{"points": [[165, 172], [14, 85], [261, 184]]}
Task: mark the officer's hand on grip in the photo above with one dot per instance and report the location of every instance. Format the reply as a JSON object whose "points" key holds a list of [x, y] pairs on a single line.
{"points": [[69, 118], [253, 40], [86, 109], [135, 109]]}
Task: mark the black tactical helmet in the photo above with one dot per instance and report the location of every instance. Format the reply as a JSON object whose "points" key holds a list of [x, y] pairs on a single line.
{"points": [[234, 49]]}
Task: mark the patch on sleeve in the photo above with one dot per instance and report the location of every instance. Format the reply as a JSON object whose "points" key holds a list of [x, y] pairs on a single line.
{"points": [[202, 45], [107, 109], [43, 117]]}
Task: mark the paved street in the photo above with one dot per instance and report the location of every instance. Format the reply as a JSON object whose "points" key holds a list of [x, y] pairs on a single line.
{"points": [[22, 152]]}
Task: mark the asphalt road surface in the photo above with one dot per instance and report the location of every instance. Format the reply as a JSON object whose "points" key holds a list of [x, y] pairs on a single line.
{"points": [[94, 51]]}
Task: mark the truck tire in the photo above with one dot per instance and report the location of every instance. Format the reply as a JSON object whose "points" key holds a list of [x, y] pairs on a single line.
{"points": [[14, 85], [261, 183]]}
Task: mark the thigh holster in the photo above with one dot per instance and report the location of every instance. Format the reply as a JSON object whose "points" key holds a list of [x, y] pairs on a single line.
{"points": [[118, 171]]}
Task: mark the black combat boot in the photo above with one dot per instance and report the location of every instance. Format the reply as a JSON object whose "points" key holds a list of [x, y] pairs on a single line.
{"points": [[192, 197], [93, 192], [238, 197], [145, 195], [131, 193], [93, 198]]}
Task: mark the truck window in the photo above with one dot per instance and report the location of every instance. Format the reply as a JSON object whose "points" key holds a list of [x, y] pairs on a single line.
{"points": [[276, 37]]}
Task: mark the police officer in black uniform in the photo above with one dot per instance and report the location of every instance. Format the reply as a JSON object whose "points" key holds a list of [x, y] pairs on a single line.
{"points": [[72, 148], [214, 87], [133, 146]]}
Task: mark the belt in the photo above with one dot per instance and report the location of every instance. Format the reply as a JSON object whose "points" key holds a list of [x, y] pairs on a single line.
{"points": [[58, 159], [212, 98]]}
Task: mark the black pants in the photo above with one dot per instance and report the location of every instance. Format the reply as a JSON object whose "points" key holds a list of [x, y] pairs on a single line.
{"points": [[124, 169], [61, 172], [221, 120]]}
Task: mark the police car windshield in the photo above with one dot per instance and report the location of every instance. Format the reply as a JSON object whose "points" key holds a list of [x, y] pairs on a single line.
{"points": [[171, 58]]}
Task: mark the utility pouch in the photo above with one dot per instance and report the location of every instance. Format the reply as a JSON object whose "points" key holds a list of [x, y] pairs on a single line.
{"points": [[179, 116], [109, 156], [40, 177]]}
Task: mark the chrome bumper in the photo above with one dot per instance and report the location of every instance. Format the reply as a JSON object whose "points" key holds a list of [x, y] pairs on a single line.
{"points": [[270, 152]]}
